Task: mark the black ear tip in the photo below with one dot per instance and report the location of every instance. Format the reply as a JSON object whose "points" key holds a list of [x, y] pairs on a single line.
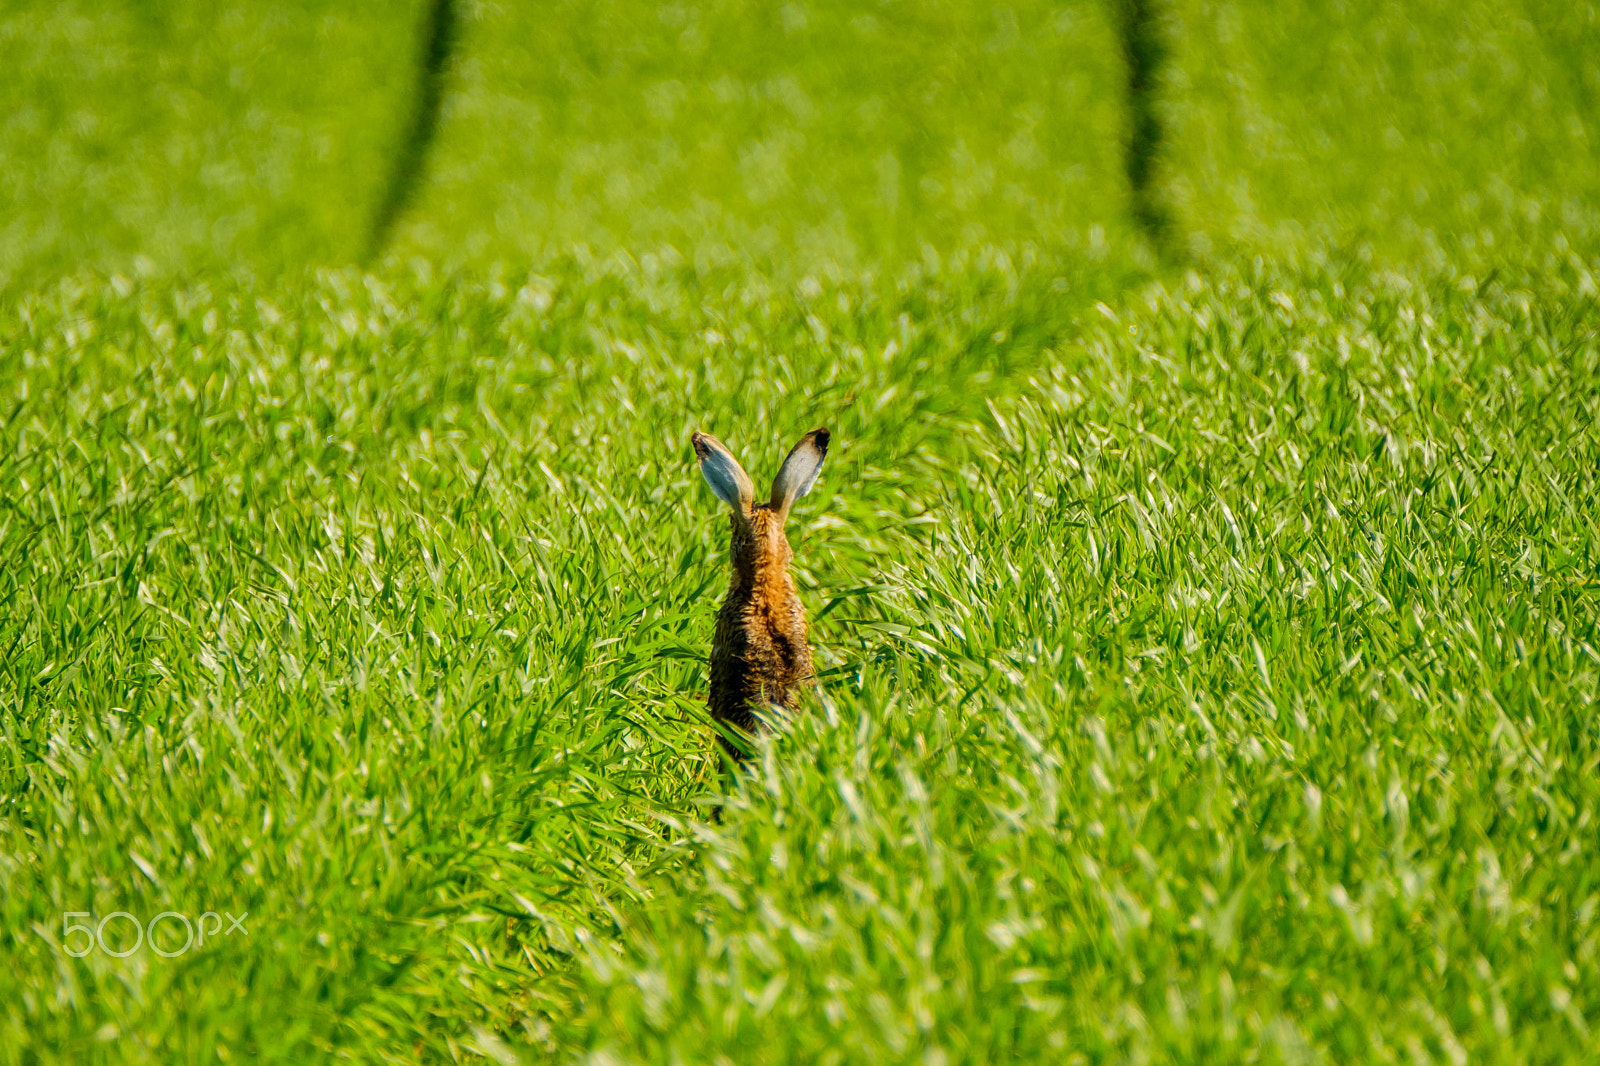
{"points": [[820, 435], [700, 447]]}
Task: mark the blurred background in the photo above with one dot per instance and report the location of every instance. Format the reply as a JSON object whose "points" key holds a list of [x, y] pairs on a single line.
{"points": [[162, 136]]}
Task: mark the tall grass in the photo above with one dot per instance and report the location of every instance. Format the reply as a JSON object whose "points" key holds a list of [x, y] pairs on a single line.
{"points": [[1205, 672], [812, 138], [1207, 661]]}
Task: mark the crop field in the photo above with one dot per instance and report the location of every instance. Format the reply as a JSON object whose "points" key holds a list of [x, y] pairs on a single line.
{"points": [[1207, 633]]}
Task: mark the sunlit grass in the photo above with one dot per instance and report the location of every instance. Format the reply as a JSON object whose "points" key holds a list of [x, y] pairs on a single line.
{"points": [[1207, 658], [811, 138], [1207, 672]]}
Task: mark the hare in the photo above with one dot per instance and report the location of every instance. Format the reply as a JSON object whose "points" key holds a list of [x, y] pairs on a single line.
{"points": [[759, 657]]}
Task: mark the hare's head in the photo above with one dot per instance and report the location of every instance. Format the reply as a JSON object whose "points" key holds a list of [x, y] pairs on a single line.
{"points": [[758, 540]]}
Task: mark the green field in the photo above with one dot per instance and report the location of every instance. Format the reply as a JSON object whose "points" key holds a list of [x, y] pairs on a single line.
{"points": [[1207, 636]]}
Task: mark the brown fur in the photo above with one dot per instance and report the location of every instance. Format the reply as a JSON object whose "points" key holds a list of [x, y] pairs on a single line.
{"points": [[760, 658]]}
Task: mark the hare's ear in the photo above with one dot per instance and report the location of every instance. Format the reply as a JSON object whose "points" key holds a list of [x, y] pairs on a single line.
{"points": [[799, 471], [723, 473]]}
